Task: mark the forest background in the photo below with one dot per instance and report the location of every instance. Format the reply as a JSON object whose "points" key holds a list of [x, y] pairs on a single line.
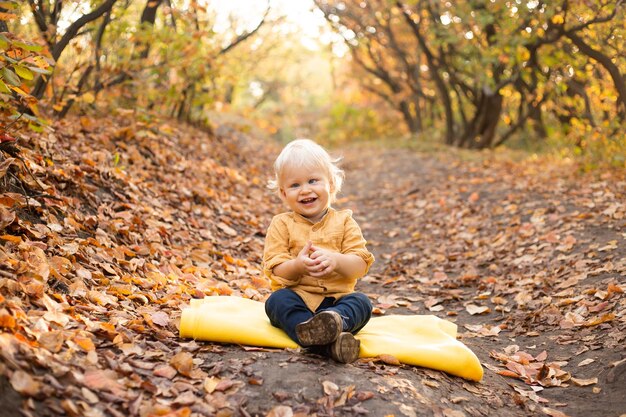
{"points": [[136, 137], [528, 74]]}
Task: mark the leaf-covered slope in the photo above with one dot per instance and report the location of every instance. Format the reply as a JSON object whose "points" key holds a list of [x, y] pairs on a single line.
{"points": [[124, 222]]}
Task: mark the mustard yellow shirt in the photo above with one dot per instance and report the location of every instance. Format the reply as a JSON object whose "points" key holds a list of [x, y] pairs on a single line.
{"points": [[289, 232]]}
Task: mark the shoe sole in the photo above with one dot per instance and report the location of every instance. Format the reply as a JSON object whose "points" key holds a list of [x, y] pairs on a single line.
{"points": [[346, 348], [321, 329]]}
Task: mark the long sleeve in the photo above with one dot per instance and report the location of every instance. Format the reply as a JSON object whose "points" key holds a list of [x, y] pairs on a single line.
{"points": [[354, 243], [276, 252]]}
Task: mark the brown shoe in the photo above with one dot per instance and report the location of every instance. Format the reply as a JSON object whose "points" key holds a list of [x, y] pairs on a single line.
{"points": [[321, 329], [346, 348]]}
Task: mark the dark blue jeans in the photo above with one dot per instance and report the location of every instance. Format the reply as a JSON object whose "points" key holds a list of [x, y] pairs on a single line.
{"points": [[286, 309]]}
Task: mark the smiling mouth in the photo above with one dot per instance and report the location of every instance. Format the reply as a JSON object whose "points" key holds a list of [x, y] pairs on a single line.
{"points": [[308, 200]]}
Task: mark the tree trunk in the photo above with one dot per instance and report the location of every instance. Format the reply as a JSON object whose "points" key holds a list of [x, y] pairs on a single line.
{"points": [[481, 130], [444, 94], [3, 23], [70, 33], [148, 18], [410, 120]]}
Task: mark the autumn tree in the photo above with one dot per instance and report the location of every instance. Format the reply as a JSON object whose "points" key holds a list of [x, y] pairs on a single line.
{"points": [[163, 54], [47, 15], [21, 60], [486, 70]]}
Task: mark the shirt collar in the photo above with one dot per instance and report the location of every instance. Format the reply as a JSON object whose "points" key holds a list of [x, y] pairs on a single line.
{"points": [[328, 210]]}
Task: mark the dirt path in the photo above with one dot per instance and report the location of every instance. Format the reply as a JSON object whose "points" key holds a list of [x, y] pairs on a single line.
{"points": [[533, 257]]}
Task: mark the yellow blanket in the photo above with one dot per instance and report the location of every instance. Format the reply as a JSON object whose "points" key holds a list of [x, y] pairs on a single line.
{"points": [[426, 341]]}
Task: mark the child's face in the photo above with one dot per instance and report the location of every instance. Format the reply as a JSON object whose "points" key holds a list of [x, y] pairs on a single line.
{"points": [[306, 191]]}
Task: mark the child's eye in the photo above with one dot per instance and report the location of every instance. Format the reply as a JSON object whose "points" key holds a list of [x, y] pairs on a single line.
{"points": [[294, 185], [312, 180]]}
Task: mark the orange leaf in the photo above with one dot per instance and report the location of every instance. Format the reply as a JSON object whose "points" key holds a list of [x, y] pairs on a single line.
{"points": [[223, 289], [183, 363], [11, 238], [612, 289], [260, 282], [255, 381], [389, 359], [85, 343], [506, 372], [120, 289], [38, 263], [599, 320], [7, 321], [60, 265], [107, 327]]}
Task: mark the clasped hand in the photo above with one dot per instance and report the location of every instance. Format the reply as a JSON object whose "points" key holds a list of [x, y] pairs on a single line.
{"points": [[317, 262]]}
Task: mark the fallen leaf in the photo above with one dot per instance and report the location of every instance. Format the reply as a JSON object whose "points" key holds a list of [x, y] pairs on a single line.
{"points": [[280, 411], [255, 381], [186, 398], [432, 384], [98, 379], [227, 229], [389, 359], [584, 382], [474, 309], [554, 413], [210, 384], [387, 301], [161, 318], [166, 371], [53, 340], [7, 320], [363, 395], [25, 384], [183, 363], [408, 410], [449, 412], [85, 343], [6, 216], [330, 388], [224, 385]]}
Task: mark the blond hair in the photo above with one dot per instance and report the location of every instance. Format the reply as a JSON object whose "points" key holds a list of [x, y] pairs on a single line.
{"points": [[306, 153]]}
